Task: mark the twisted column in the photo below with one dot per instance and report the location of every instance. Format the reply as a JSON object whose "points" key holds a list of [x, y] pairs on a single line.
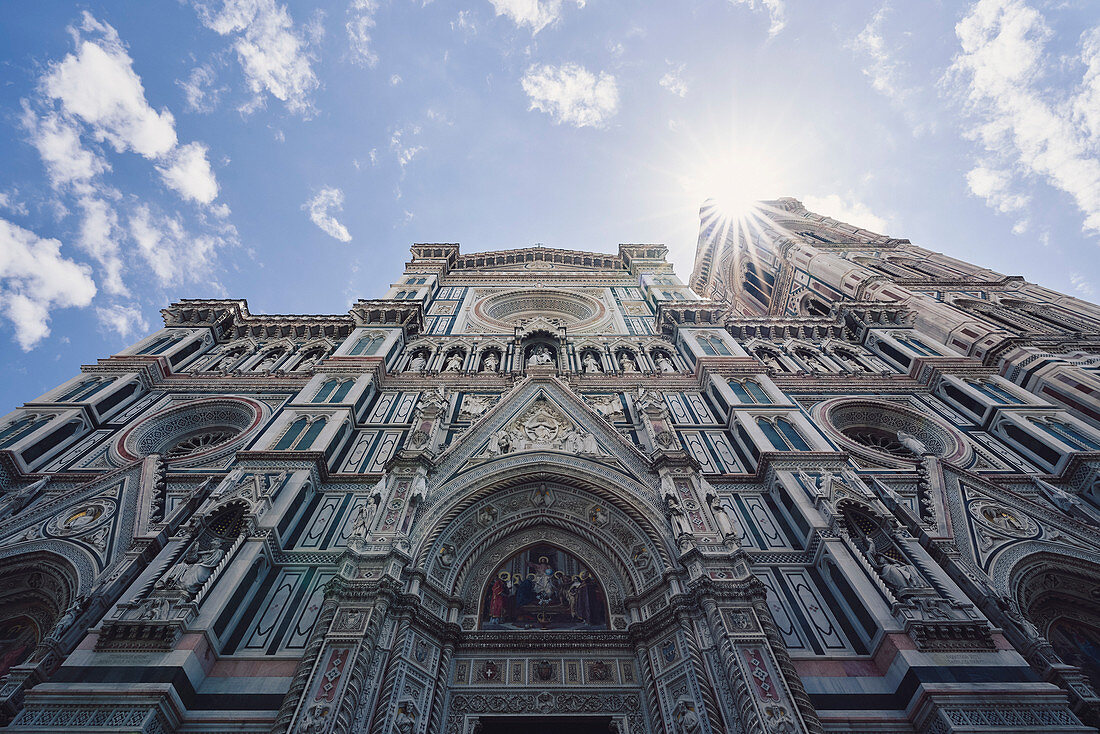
{"points": [[436, 715], [353, 691], [709, 702]]}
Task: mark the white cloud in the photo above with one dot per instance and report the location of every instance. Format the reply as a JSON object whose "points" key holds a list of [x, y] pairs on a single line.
{"points": [[1087, 104], [464, 23], [673, 82], [571, 94], [536, 14], [188, 173], [98, 86], [100, 238], [359, 26], [994, 185], [175, 255], [199, 91], [321, 207], [126, 321], [9, 200], [405, 152], [846, 209], [882, 69], [34, 279], [776, 10], [273, 55], [68, 162], [1081, 285], [1019, 123]]}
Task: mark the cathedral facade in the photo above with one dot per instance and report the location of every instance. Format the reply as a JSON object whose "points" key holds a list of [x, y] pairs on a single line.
{"points": [[835, 483]]}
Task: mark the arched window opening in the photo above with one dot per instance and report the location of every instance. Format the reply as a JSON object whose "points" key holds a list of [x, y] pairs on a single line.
{"points": [[544, 588], [342, 391], [771, 359], [367, 345], [917, 346], [994, 391], [291, 434], [792, 435], [774, 437], [1032, 444], [85, 390], [315, 428], [159, 344], [20, 429], [326, 391], [1067, 433]]}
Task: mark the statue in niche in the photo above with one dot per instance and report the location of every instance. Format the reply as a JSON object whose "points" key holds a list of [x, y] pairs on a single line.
{"points": [[193, 570], [627, 363], [490, 363], [685, 718], [664, 364], [308, 361], [418, 362], [454, 362], [361, 525], [912, 444], [268, 361], [591, 366], [902, 578], [540, 356], [405, 723], [677, 516], [721, 516]]}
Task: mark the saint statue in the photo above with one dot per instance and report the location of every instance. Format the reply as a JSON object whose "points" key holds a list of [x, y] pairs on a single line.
{"points": [[490, 363], [591, 366], [664, 364], [627, 363], [454, 362], [194, 569], [540, 356], [417, 363], [912, 444]]}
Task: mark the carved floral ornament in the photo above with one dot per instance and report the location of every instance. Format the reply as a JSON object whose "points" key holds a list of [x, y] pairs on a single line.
{"points": [[542, 427]]}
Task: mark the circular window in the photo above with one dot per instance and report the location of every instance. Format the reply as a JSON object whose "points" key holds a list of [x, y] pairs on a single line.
{"points": [[874, 430], [517, 308], [199, 429]]}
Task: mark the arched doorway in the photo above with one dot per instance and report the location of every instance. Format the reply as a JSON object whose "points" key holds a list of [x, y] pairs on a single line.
{"points": [[35, 591]]}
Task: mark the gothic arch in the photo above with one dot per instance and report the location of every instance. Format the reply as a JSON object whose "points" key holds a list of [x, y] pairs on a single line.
{"points": [[35, 590], [636, 501]]}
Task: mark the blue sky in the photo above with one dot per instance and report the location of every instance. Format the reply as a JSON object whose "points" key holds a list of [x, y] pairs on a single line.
{"points": [[289, 153]]}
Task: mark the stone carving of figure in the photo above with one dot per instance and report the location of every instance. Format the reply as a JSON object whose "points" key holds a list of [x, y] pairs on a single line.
{"points": [[268, 361], [313, 720], [540, 356], [361, 525], [1061, 499], [154, 608], [676, 515], [20, 499], [418, 362], [193, 569], [809, 482], [405, 723], [721, 516], [912, 443], [591, 366], [66, 620], [1012, 610], [310, 359], [447, 555], [664, 364], [588, 444], [627, 363], [490, 363], [608, 406], [573, 443], [902, 578], [501, 442], [685, 718], [454, 362], [473, 406]]}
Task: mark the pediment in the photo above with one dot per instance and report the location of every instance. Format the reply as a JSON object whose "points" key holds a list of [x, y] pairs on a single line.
{"points": [[541, 414]]}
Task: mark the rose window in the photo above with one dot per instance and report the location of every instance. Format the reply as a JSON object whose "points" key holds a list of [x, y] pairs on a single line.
{"points": [[879, 440], [201, 442]]}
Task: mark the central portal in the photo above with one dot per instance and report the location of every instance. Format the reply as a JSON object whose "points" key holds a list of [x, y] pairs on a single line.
{"points": [[545, 725]]}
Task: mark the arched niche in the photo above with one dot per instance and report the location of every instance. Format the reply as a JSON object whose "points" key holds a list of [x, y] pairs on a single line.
{"points": [[35, 590], [1060, 595], [543, 587]]}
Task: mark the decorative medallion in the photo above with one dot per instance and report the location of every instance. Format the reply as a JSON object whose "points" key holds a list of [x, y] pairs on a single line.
{"points": [[544, 670]]}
